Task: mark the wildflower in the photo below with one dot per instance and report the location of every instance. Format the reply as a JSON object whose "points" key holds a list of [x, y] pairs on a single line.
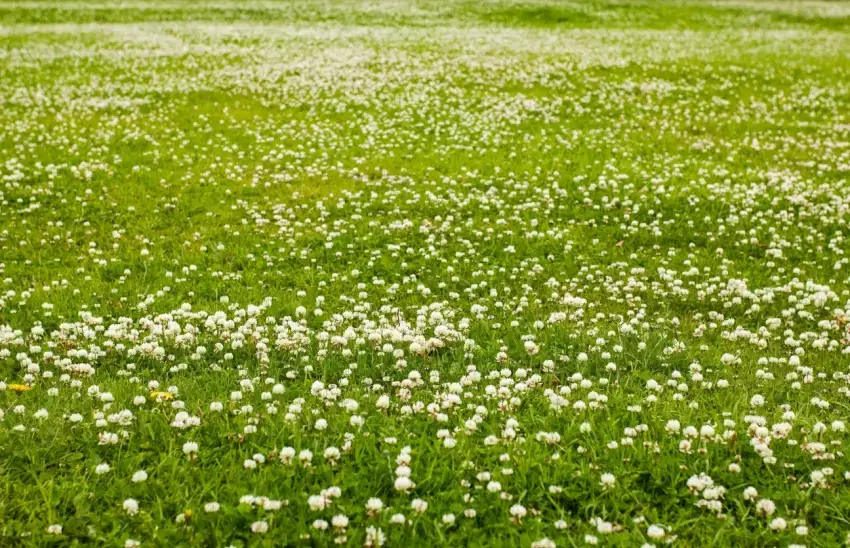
{"points": [[518, 512], [419, 506], [765, 507], [655, 532], [403, 484], [374, 506], [131, 507], [374, 537], [778, 524], [317, 502]]}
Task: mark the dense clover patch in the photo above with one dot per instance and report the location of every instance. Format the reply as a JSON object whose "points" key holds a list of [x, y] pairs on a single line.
{"points": [[385, 273]]}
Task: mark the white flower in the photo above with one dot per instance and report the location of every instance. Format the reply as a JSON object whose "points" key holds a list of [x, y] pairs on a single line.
{"points": [[765, 507], [518, 511], [259, 527], [139, 476], [287, 454], [419, 506], [131, 506], [778, 524], [403, 484], [607, 480], [317, 502], [655, 532]]}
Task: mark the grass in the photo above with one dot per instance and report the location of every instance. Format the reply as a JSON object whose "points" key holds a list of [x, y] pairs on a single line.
{"points": [[505, 249]]}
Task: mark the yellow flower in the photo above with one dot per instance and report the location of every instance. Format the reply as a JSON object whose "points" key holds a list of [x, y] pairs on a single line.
{"points": [[19, 387], [162, 395]]}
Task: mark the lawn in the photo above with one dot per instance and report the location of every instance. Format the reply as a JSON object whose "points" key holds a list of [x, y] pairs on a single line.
{"points": [[424, 273]]}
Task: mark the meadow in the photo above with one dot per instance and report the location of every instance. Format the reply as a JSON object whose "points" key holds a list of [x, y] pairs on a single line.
{"points": [[424, 273]]}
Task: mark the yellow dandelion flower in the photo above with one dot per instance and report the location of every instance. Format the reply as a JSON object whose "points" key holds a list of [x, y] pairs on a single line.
{"points": [[19, 387], [162, 396]]}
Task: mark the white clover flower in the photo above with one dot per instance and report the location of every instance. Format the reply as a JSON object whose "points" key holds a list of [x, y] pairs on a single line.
{"points": [[765, 507], [374, 505], [778, 524], [131, 507], [655, 532], [403, 484], [607, 480], [518, 511]]}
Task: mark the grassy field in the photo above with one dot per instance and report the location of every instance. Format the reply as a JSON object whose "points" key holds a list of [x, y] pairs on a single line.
{"points": [[436, 273]]}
